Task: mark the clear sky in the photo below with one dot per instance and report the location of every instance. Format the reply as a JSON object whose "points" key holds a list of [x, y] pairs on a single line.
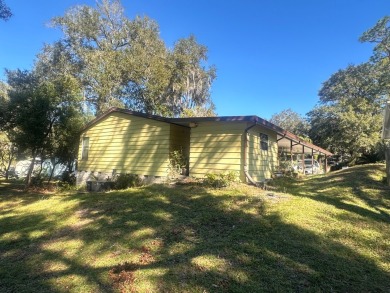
{"points": [[270, 55]]}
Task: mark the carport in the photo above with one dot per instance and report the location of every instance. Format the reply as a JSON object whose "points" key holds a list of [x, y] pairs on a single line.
{"points": [[293, 145]]}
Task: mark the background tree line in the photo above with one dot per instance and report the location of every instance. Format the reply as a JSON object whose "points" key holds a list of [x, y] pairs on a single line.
{"points": [[348, 117]]}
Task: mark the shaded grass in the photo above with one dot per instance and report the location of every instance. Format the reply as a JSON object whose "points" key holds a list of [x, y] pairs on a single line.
{"points": [[328, 233]]}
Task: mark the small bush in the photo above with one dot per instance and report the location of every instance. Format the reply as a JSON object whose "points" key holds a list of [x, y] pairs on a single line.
{"points": [[37, 181], [123, 181], [177, 164], [67, 182], [69, 178], [218, 180], [286, 166]]}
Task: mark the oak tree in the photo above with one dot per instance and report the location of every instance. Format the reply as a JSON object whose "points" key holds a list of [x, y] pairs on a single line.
{"points": [[348, 117], [379, 35], [124, 62]]}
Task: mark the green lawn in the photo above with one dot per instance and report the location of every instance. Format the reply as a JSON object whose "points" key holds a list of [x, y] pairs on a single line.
{"points": [[327, 233]]}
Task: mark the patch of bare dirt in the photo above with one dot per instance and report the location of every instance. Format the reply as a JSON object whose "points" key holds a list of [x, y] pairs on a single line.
{"points": [[123, 277]]}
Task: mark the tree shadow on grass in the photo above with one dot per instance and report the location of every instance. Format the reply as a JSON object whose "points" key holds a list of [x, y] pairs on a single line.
{"points": [[341, 188], [181, 239], [13, 193]]}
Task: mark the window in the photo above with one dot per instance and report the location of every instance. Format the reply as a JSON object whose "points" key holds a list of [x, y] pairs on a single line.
{"points": [[85, 148], [263, 142]]}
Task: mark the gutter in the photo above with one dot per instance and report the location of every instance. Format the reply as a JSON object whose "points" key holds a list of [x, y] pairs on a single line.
{"points": [[245, 155]]}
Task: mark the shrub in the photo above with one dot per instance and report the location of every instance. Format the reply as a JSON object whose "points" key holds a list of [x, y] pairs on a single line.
{"points": [[37, 181], [67, 182], [286, 166], [218, 180], [177, 161], [123, 181], [69, 178]]}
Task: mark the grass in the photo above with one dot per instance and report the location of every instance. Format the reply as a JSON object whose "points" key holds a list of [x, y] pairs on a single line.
{"points": [[327, 233]]}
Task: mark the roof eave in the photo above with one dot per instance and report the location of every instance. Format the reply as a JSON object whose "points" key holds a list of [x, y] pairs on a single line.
{"points": [[180, 121], [124, 111]]}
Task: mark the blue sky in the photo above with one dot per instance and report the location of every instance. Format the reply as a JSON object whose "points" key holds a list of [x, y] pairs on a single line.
{"points": [[270, 55]]}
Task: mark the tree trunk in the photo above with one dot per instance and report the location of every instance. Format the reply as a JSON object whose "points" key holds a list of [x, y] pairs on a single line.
{"points": [[54, 164], [7, 170], [7, 159], [30, 170], [41, 167], [387, 155]]}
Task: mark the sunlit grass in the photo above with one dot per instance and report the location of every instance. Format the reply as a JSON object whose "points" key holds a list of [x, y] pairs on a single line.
{"points": [[327, 233]]}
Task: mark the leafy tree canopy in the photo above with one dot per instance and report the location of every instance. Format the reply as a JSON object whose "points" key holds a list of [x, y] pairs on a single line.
{"points": [[3, 101], [379, 34], [8, 152], [38, 111], [348, 117], [291, 121], [123, 62], [5, 12], [354, 84]]}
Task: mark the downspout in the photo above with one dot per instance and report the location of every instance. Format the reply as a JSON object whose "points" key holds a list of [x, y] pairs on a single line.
{"points": [[245, 155]]}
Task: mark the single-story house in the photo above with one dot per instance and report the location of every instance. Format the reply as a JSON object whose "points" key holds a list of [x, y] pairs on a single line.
{"points": [[124, 141]]}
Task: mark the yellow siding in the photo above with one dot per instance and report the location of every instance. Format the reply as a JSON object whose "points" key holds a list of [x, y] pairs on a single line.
{"points": [[261, 164], [219, 147], [216, 147], [131, 144], [128, 144]]}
